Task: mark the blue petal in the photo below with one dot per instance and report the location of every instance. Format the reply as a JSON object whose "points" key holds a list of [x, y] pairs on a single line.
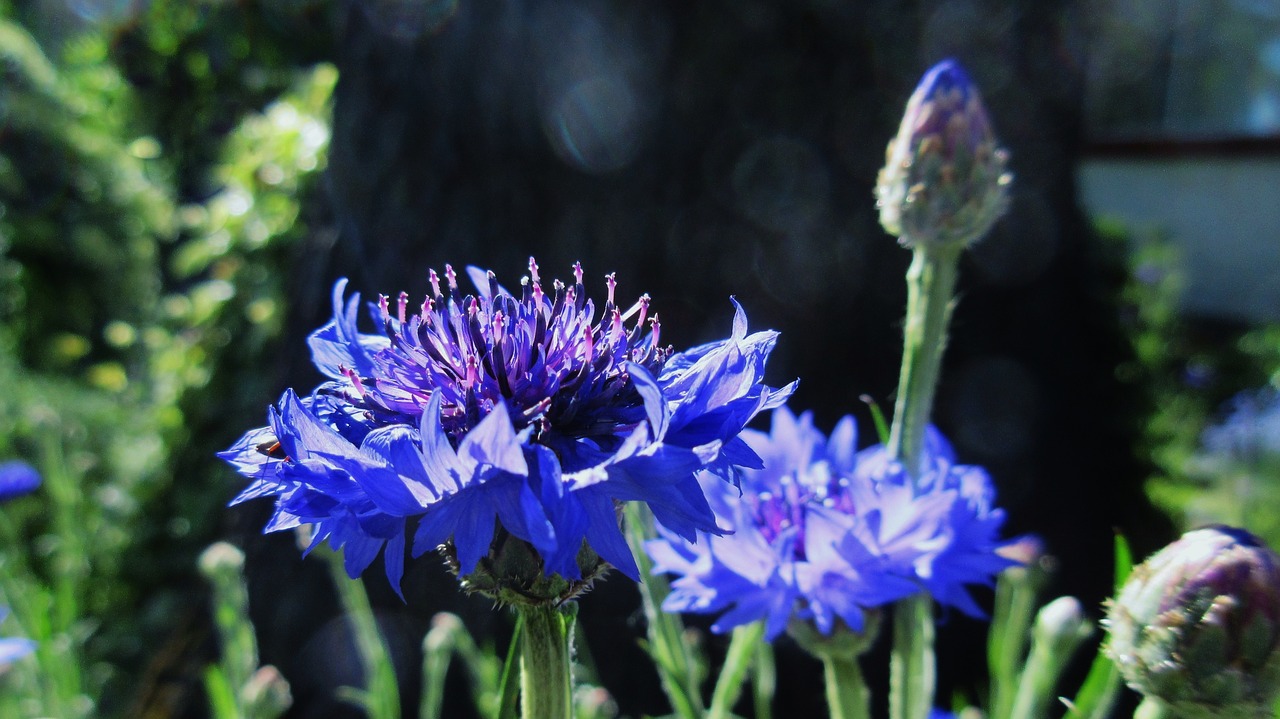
{"points": [[383, 486], [439, 460], [393, 557], [301, 434], [438, 524], [339, 344], [603, 534], [493, 441], [521, 513], [655, 405], [358, 552], [473, 535], [564, 511]]}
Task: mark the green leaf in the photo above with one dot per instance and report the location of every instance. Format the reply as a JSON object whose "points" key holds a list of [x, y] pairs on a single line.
{"points": [[1098, 692], [877, 417]]}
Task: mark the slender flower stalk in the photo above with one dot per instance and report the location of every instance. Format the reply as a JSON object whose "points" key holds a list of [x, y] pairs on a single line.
{"points": [[546, 681], [664, 630], [742, 650], [942, 187], [1015, 604], [1059, 630], [847, 695], [930, 286], [380, 697], [931, 282]]}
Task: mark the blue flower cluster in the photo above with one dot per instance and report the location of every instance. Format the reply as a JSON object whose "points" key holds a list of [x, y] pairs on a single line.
{"points": [[825, 531], [524, 410]]}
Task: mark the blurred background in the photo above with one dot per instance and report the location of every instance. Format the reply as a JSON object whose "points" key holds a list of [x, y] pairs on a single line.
{"points": [[181, 181]]}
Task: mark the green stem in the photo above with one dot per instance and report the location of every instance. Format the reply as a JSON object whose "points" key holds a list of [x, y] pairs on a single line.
{"points": [[546, 687], [847, 694], [742, 648], [911, 662], [1015, 607], [931, 282], [671, 654], [764, 680], [381, 696]]}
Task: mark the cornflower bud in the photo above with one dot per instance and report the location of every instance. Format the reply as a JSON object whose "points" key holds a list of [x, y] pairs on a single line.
{"points": [[1197, 626], [944, 179]]}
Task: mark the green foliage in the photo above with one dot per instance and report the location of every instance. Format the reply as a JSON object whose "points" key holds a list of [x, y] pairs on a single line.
{"points": [[141, 283], [1188, 370]]}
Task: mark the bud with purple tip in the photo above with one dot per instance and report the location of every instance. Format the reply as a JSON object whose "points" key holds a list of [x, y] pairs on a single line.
{"points": [[944, 180], [1197, 626]]}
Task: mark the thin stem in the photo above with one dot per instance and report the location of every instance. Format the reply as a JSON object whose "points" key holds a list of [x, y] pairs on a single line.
{"points": [[665, 631], [931, 282], [546, 685], [1016, 591], [847, 694], [742, 648], [911, 662], [381, 697], [764, 680]]}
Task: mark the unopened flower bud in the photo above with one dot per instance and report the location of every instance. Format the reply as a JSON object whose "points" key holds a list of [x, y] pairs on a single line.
{"points": [[1197, 625], [221, 559], [1061, 624], [944, 180], [267, 692]]}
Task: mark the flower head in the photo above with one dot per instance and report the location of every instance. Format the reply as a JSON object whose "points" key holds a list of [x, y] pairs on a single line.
{"points": [[16, 479], [527, 411], [944, 179], [1198, 625], [825, 532]]}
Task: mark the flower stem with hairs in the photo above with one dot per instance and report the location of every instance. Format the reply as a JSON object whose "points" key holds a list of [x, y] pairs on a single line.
{"points": [[546, 684]]}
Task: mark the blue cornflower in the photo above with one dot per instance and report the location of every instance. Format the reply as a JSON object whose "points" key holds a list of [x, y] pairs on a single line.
{"points": [[525, 410], [13, 648], [824, 531], [16, 479]]}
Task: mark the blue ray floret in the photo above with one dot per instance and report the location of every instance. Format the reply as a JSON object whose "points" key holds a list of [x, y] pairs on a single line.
{"points": [[471, 414], [823, 532]]}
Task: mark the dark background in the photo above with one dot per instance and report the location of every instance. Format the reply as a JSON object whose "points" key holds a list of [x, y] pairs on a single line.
{"points": [[703, 150]]}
